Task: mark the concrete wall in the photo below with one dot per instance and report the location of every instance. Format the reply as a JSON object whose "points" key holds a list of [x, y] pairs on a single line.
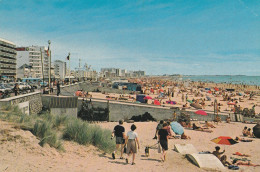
{"points": [[64, 111], [34, 99], [123, 110]]}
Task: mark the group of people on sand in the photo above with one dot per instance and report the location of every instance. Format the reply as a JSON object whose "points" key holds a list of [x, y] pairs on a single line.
{"points": [[129, 140], [247, 132]]}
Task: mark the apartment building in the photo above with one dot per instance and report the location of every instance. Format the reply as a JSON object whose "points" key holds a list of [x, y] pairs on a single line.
{"points": [[60, 69], [7, 60], [36, 57]]}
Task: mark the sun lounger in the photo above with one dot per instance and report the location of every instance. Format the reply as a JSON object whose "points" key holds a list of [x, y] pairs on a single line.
{"points": [[185, 148], [206, 161]]}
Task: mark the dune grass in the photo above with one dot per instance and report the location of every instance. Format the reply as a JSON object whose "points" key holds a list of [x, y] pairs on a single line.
{"points": [[85, 133], [47, 126]]}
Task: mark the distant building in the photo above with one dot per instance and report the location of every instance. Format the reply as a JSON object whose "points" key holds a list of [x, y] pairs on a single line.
{"points": [[60, 69], [139, 73], [36, 57], [7, 60]]}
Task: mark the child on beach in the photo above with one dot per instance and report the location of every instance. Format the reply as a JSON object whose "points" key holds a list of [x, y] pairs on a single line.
{"points": [[119, 133], [244, 131], [132, 141]]}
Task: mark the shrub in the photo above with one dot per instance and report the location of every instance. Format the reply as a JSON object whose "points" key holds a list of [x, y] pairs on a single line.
{"points": [[59, 120]]}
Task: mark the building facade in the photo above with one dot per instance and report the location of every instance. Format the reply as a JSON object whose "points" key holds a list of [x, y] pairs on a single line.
{"points": [[36, 57], [60, 69], [7, 60]]}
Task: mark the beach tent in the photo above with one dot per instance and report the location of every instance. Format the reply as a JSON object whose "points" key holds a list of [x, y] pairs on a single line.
{"points": [[177, 128], [171, 102], [201, 112], [156, 102], [147, 97]]}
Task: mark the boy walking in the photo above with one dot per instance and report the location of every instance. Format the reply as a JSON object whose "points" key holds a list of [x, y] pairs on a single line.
{"points": [[119, 133]]}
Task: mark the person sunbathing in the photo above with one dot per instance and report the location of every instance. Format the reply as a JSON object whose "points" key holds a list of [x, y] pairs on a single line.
{"points": [[228, 119], [184, 136], [244, 131], [247, 163], [240, 154], [249, 133], [222, 158], [242, 139], [207, 124], [195, 127]]}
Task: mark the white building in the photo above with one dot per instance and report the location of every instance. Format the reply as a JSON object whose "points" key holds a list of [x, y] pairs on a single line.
{"points": [[60, 69], [36, 57], [7, 60]]}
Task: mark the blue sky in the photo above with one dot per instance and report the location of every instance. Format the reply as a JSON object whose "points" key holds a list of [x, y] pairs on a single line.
{"points": [[160, 37]]}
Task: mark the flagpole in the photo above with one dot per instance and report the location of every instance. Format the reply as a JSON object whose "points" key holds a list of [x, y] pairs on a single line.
{"points": [[42, 67], [49, 42], [69, 68]]}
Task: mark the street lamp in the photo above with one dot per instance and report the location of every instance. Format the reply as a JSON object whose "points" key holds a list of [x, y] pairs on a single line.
{"points": [[49, 53]]}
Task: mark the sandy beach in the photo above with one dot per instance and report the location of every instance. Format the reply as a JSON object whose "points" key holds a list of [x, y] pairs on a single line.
{"points": [[20, 151]]}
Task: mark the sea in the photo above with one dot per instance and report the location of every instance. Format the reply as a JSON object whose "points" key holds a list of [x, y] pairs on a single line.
{"points": [[231, 79]]}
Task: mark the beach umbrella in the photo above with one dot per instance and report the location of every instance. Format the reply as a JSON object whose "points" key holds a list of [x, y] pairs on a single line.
{"points": [[208, 98], [147, 97], [189, 101], [209, 92], [161, 90], [156, 102], [201, 112], [231, 103], [171, 102], [207, 88], [240, 94], [224, 140], [196, 105], [216, 89], [177, 128]]}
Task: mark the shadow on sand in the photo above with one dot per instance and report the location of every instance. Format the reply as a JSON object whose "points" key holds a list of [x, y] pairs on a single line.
{"points": [[151, 159], [117, 162]]}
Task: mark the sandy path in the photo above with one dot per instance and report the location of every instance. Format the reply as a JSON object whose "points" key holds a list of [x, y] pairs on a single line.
{"points": [[20, 151]]}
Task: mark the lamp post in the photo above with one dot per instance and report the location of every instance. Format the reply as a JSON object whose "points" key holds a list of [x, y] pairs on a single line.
{"points": [[49, 42]]}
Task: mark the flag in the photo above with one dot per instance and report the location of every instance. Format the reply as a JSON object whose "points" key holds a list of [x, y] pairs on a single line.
{"points": [[68, 57], [48, 51]]}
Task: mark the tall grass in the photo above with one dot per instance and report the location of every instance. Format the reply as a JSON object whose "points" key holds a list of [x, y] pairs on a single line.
{"points": [[47, 126], [43, 130], [84, 133]]}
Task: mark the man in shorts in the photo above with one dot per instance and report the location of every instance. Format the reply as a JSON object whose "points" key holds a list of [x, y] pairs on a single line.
{"points": [[119, 133]]}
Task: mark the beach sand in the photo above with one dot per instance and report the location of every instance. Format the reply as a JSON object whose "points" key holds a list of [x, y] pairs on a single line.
{"points": [[20, 151]]}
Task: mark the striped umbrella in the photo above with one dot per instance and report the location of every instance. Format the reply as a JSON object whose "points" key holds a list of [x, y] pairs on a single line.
{"points": [[224, 140]]}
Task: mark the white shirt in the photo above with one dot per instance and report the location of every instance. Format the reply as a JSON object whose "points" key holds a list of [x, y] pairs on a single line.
{"points": [[132, 135]]}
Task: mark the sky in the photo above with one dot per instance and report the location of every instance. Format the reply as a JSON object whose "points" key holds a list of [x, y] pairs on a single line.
{"points": [[190, 37]]}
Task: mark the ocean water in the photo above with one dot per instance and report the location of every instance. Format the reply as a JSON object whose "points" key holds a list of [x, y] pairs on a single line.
{"points": [[233, 79]]}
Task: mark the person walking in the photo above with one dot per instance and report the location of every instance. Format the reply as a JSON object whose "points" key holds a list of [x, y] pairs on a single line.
{"points": [[132, 141], [119, 133], [16, 89], [51, 87], [58, 88], [163, 137]]}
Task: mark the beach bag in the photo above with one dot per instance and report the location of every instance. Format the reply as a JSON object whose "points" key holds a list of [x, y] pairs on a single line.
{"points": [[159, 148]]}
